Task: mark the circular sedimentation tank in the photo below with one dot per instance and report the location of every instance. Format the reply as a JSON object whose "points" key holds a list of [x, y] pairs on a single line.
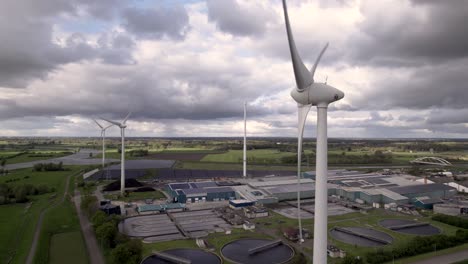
{"points": [[237, 251], [196, 256], [361, 236], [410, 227]]}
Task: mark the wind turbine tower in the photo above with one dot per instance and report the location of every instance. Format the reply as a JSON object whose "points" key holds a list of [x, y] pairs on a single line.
{"points": [[103, 137], [245, 141], [122, 126], [309, 93]]}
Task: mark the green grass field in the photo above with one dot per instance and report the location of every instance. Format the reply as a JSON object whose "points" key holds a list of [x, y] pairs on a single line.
{"points": [[60, 218], [257, 155], [67, 248], [18, 229], [10, 222]]}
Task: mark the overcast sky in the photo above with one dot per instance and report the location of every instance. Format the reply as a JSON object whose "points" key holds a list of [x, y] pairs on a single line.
{"points": [[184, 68]]}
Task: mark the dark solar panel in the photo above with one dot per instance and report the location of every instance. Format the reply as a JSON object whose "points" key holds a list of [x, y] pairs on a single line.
{"points": [[423, 188], [353, 184], [218, 189], [205, 184], [182, 186], [376, 180], [194, 191]]}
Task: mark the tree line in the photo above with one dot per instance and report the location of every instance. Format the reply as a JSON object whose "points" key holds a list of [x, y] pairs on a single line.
{"points": [[48, 167], [19, 193], [123, 250], [416, 246], [451, 220]]}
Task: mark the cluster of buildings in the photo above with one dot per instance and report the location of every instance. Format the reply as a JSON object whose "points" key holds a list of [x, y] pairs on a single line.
{"points": [[372, 189]]}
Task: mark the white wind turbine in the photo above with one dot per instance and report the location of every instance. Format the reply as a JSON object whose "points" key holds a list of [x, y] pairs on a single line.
{"points": [[103, 136], [309, 93], [122, 126], [244, 174]]}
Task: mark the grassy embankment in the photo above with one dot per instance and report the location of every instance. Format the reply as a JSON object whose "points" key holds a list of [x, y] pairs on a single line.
{"points": [[19, 220]]}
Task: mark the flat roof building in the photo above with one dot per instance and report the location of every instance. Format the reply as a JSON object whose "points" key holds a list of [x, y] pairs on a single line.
{"points": [[193, 192]]}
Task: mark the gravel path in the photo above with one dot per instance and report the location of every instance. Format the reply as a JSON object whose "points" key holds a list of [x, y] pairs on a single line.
{"points": [[94, 251]]}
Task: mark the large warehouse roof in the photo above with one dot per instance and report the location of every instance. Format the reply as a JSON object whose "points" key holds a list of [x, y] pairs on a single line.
{"points": [[421, 188]]}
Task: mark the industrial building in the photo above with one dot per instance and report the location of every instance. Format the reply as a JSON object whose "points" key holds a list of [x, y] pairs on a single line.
{"points": [[455, 209], [194, 192], [434, 191], [364, 188]]}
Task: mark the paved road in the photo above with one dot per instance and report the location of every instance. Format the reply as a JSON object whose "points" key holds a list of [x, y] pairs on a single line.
{"points": [[79, 158], [94, 251], [37, 232], [445, 259]]}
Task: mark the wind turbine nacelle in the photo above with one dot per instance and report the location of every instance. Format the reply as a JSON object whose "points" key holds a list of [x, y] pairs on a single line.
{"points": [[317, 93]]}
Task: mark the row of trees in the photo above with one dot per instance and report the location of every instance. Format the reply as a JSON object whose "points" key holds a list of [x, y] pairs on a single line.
{"points": [[138, 153], [451, 220], [123, 250], [48, 167], [418, 245], [20, 193]]}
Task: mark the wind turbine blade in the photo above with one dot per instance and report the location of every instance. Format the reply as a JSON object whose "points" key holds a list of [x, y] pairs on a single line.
{"points": [[312, 71], [112, 122], [128, 115], [97, 123], [108, 126], [301, 73]]}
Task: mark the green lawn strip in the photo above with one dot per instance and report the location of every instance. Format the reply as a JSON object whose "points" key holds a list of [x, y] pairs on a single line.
{"points": [[431, 254], [161, 246], [11, 216], [58, 219], [68, 248], [25, 233]]}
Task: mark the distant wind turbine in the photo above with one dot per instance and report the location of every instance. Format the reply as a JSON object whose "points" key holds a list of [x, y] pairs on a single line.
{"points": [[103, 137], [309, 93], [245, 141], [122, 126]]}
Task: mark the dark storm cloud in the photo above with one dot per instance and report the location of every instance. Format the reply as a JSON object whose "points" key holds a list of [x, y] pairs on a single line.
{"points": [[28, 51], [155, 23], [448, 116], [442, 85], [408, 38], [235, 19], [153, 93]]}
